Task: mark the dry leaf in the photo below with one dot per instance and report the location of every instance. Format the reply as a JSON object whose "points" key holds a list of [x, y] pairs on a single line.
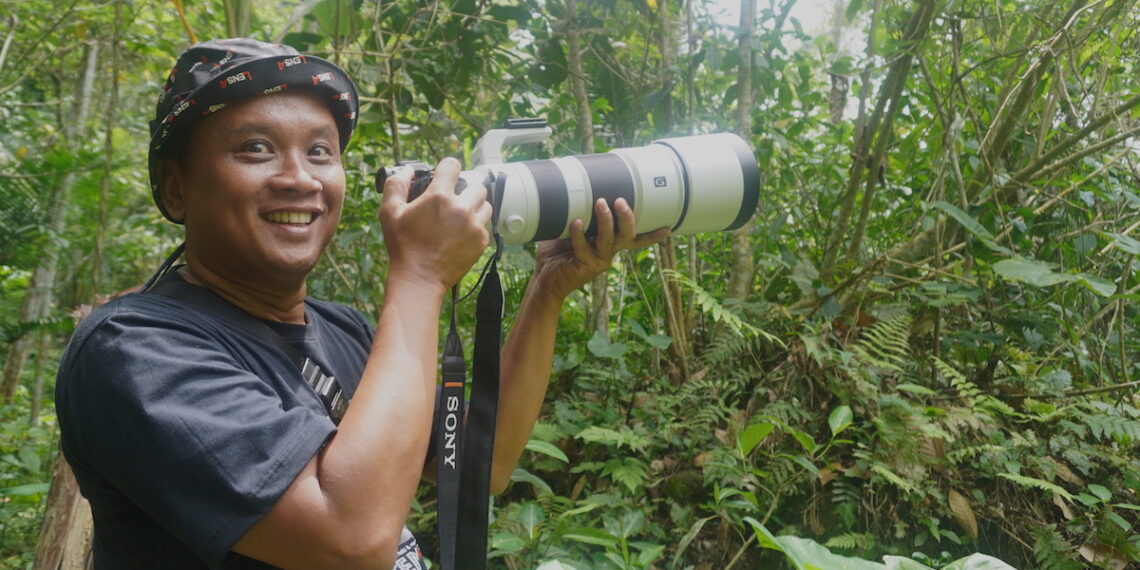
{"points": [[1067, 474], [960, 506], [1064, 506], [826, 475], [1104, 553]]}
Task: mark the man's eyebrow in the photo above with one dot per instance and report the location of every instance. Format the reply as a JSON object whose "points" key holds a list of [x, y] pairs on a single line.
{"points": [[252, 127]]}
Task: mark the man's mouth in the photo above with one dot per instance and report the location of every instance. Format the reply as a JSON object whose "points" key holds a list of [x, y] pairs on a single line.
{"points": [[289, 217]]}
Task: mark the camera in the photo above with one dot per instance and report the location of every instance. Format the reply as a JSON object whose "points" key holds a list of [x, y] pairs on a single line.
{"points": [[690, 184]]}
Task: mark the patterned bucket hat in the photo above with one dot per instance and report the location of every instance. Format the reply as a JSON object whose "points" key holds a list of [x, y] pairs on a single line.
{"points": [[209, 75]]}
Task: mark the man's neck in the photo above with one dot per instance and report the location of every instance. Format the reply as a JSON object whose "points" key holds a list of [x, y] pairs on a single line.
{"points": [[286, 304]]}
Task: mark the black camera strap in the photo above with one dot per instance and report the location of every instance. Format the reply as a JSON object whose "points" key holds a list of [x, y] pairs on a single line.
{"points": [[466, 433], [451, 410]]}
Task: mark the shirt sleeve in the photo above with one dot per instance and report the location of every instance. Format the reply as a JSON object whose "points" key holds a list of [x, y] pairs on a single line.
{"points": [[173, 415]]}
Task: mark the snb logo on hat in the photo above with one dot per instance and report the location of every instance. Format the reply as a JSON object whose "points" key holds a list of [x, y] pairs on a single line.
{"points": [[182, 106], [326, 76], [274, 89], [218, 64], [298, 60], [235, 78]]}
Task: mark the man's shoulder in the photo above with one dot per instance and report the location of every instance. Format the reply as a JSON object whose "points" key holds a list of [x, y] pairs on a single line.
{"points": [[135, 310]]}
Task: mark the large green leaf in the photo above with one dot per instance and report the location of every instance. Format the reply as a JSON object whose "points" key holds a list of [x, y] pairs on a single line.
{"points": [[752, 436], [1124, 243], [548, 449], [1041, 274], [531, 516], [25, 490], [1030, 271], [978, 562], [971, 225], [807, 554], [593, 536], [840, 419]]}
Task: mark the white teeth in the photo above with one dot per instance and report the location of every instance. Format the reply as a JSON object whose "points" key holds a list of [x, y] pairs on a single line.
{"points": [[289, 217]]}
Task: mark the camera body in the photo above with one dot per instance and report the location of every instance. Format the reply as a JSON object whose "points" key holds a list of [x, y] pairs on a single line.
{"points": [[689, 184]]}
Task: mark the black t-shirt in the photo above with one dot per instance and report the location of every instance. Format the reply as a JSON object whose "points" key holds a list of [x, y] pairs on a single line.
{"points": [[183, 428]]}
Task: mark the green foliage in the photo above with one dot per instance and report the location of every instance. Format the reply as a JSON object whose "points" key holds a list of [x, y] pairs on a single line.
{"points": [[1052, 552], [720, 314], [938, 353], [806, 554], [26, 451]]}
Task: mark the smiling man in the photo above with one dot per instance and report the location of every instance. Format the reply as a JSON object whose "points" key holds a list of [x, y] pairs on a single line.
{"points": [[206, 418]]}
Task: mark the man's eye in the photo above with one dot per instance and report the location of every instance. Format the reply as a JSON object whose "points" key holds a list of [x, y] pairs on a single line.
{"points": [[255, 147], [321, 151]]}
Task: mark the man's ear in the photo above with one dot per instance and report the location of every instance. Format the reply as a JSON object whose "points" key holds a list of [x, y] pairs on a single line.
{"points": [[172, 189]]}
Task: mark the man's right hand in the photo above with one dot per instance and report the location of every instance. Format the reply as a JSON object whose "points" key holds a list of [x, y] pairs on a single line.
{"points": [[436, 238]]}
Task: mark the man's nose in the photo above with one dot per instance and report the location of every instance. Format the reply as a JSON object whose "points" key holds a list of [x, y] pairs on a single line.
{"points": [[296, 175]]}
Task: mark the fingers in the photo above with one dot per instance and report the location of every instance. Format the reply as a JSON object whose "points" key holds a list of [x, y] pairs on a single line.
{"points": [[626, 224], [655, 236], [618, 230], [578, 242], [397, 186], [445, 176], [603, 241]]}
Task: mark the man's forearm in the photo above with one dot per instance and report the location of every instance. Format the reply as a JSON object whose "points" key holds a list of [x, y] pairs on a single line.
{"points": [[527, 359]]}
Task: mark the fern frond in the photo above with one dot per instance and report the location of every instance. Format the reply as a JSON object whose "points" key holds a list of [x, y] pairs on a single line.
{"points": [[1052, 552], [890, 339], [851, 541], [968, 390], [719, 313], [886, 344], [725, 350], [892, 477], [11, 332], [1037, 483], [996, 406], [707, 401], [1117, 428], [624, 437]]}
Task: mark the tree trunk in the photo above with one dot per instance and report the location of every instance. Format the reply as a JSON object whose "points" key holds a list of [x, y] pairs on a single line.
{"points": [[677, 324], [743, 268], [66, 531], [599, 287], [237, 17], [677, 319], [13, 24], [39, 298], [916, 33], [872, 135], [665, 75]]}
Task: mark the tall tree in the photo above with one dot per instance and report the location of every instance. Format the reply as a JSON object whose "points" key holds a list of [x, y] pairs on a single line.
{"points": [[599, 287], [743, 270], [39, 299]]}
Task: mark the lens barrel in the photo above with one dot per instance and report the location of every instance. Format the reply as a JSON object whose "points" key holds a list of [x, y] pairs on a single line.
{"points": [[702, 183], [688, 184]]}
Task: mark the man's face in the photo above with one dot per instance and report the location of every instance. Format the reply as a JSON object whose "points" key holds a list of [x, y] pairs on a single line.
{"points": [[261, 188]]}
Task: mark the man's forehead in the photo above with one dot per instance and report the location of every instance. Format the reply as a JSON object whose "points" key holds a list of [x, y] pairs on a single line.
{"points": [[293, 111]]}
